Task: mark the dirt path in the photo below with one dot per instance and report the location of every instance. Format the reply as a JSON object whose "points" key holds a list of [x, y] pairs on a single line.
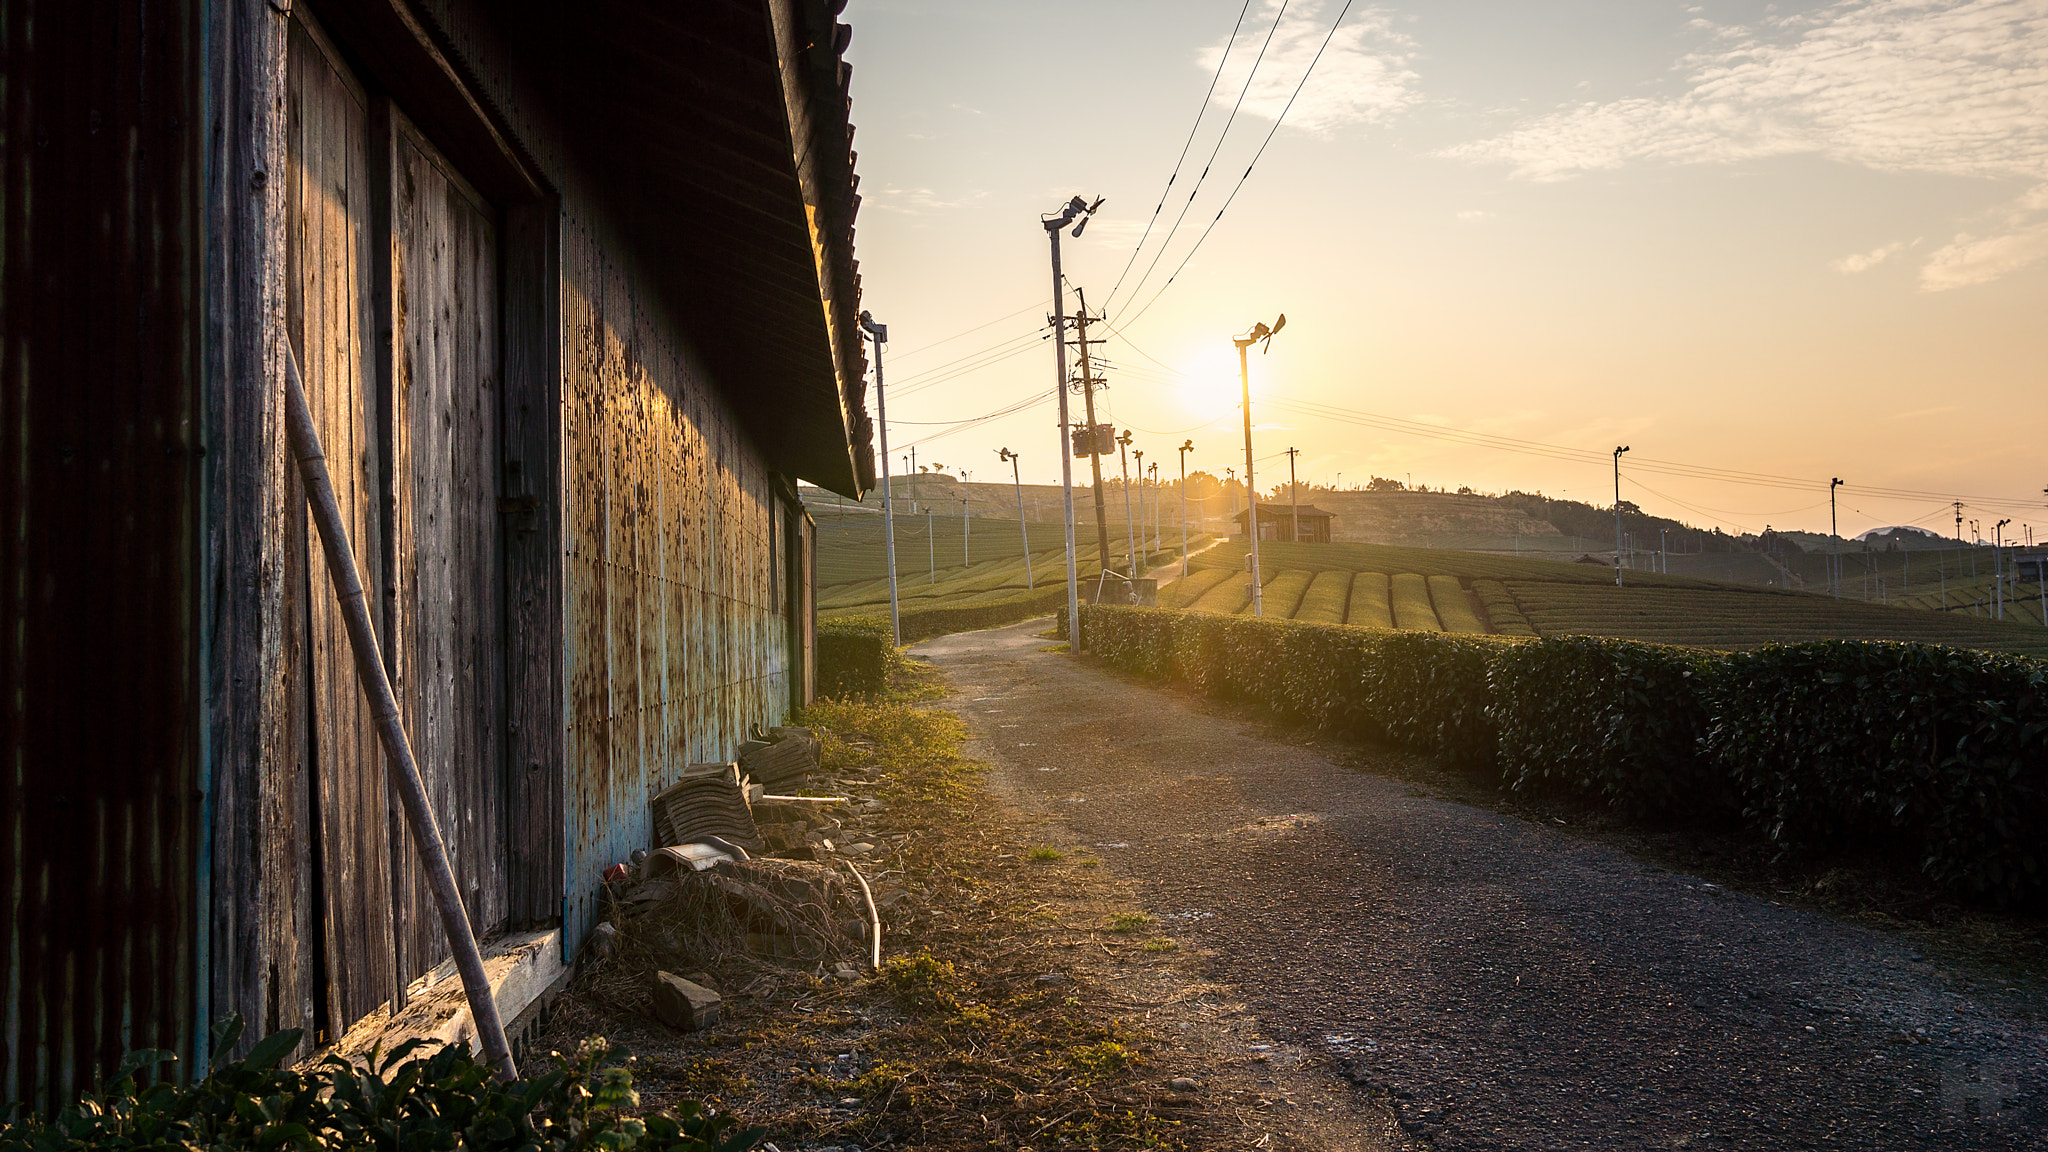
{"points": [[1501, 984]]}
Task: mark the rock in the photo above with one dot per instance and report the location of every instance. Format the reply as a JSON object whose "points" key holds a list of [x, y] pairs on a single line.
{"points": [[845, 971], [860, 849], [684, 1005], [604, 941], [1184, 1084], [1050, 979]]}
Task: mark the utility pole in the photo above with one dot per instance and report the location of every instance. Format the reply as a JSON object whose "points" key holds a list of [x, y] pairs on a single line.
{"points": [[1089, 383], [1835, 536], [1123, 445], [1663, 555], [1293, 498], [1023, 531], [1230, 482], [931, 543], [879, 333], [1185, 448], [1619, 449], [1052, 226], [1261, 335]]}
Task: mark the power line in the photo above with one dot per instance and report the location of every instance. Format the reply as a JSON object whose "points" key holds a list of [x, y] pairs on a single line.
{"points": [[1032, 307], [1306, 73], [1228, 46], [1196, 190]]}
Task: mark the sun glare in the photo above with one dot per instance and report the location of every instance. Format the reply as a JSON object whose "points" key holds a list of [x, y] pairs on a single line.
{"points": [[1209, 386]]}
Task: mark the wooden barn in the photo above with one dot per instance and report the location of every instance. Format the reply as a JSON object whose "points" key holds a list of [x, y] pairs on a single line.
{"points": [[574, 295], [1304, 522]]}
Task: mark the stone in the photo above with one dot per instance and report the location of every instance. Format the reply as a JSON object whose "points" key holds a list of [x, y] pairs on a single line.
{"points": [[604, 941], [684, 1004], [1050, 979], [1185, 1084]]}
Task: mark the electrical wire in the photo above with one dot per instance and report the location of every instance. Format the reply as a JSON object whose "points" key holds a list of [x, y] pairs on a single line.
{"points": [[1033, 307], [1306, 73], [1209, 163], [1228, 46]]}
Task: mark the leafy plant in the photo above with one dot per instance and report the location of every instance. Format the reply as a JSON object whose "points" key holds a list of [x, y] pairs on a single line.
{"points": [[405, 1099]]}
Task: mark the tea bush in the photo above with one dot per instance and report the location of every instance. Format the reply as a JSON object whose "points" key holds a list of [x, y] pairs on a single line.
{"points": [[1609, 720], [1942, 752], [1937, 753], [853, 656]]}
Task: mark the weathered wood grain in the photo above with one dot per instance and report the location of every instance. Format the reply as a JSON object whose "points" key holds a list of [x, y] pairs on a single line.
{"points": [[329, 286]]}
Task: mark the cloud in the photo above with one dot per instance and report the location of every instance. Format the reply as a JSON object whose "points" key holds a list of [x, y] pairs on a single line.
{"points": [[912, 201], [2021, 239], [1955, 87], [1862, 261], [1362, 78]]}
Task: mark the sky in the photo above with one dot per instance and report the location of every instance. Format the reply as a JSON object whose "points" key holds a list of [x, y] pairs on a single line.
{"points": [[1762, 245]]}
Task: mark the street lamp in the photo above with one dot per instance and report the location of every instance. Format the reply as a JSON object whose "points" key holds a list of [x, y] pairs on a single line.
{"points": [[1022, 531], [1123, 458], [879, 333], [1185, 448], [1835, 537], [1619, 449], [1262, 336]]}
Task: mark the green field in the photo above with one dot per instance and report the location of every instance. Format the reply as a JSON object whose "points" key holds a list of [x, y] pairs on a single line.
{"points": [[1432, 590], [853, 571]]}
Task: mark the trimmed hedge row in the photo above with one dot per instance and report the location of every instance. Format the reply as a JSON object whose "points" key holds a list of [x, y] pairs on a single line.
{"points": [[853, 656], [1932, 752]]}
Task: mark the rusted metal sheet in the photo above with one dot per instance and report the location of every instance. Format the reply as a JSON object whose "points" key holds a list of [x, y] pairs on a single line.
{"points": [[674, 643], [101, 694]]}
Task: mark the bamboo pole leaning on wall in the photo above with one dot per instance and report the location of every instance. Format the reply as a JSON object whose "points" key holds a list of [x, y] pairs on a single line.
{"points": [[405, 772]]}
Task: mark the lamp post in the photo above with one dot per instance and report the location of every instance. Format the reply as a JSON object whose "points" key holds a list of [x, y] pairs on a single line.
{"points": [[1619, 449], [1053, 226], [1023, 532], [1998, 567], [879, 333], [1185, 448], [1262, 336], [1123, 458], [1835, 539], [966, 527], [1138, 454]]}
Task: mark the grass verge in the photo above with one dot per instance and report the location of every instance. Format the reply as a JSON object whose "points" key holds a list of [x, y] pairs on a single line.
{"points": [[981, 1030]]}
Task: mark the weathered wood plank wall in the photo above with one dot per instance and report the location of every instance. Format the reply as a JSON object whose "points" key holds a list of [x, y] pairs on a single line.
{"points": [[329, 299], [446, 387]]}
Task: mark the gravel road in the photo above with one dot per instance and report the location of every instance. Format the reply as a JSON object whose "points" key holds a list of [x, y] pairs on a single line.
{"points": [[1504, 985]]}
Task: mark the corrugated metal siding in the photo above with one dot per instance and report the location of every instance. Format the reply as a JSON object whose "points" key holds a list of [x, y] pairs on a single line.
{"points": [[674, 644], [100, 690]]}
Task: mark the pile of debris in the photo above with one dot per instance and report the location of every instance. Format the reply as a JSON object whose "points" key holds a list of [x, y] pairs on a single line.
{"points": [[743, 870]]}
